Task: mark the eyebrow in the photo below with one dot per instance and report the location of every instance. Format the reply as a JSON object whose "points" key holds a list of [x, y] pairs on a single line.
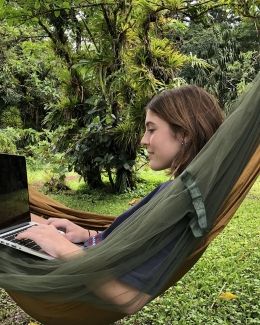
{"points": [[149, 124]]}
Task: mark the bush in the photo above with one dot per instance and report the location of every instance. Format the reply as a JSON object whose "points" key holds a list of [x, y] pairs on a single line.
{"points": [[7, 141], [11, 117]]}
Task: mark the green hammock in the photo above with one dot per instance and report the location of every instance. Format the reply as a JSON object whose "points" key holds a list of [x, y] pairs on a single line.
{"points": [[193, 210]]}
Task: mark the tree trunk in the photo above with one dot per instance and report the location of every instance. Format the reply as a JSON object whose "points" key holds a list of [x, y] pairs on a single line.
{"points": [[93, 178], [124, 180]]}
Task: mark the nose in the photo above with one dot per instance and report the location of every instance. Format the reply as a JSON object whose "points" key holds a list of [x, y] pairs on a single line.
{"points": [[144, 140]]}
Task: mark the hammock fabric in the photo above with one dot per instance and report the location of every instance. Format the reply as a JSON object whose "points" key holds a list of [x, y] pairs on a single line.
{"points": [[46, 207], [193, 210]]}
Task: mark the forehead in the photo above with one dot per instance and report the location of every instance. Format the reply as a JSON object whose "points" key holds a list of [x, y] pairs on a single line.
{"points": [[152, 118]]}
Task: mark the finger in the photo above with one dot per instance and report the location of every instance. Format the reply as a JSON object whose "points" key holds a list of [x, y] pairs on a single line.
{"points": [[69, 236], [19, 236], [50, 220], [35, 229], [29, 232], [56, 221], [58, 225], [23, 235], [45, 228]]}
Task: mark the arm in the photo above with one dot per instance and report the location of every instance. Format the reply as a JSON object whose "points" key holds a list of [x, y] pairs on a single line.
{"points": [[72, 232], [50, 239], [127, 298], [113, 291]]}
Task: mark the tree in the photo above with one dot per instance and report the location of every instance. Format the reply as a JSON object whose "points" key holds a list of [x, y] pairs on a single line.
{"points": [[229, 43], [106, 93], [28, 84], [118, 54]]}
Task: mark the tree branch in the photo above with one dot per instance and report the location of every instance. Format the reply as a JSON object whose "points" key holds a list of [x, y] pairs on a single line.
{"points": [[90, 35], [46, 12], [50, 35], [107, 20], [78, 29]]}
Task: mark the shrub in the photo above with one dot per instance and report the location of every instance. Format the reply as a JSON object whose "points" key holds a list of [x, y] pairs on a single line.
{"points": [[11, 117], [7, 141]]}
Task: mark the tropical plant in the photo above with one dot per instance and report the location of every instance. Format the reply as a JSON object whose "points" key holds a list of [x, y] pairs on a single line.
{"points": [[230, 47], [11, 117], [29, 81], [7, 141], [115, 55]]}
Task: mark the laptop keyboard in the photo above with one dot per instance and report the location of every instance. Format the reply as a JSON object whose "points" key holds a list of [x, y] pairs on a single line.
{"points": [[25, 242]]}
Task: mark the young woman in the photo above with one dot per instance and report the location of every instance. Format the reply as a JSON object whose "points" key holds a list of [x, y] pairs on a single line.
{"points": [[178, 124]]}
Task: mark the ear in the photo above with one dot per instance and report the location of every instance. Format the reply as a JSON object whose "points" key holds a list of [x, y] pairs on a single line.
{"points": [[182, 138], [185, 139]]}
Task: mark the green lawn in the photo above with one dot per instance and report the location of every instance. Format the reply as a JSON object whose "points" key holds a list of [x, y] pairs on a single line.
{"points": [[229, 266]]}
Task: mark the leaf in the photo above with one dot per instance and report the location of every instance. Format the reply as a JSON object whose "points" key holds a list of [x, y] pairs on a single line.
{"points": [[57, 13], [37, 5], [66, 5], [227, 296]]}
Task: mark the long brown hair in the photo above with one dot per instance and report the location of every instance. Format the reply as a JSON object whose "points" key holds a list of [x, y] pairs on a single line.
{"points": [[193, 114]]}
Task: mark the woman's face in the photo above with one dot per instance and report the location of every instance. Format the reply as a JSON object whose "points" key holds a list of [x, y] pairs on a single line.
{"points": [[160, 141]]}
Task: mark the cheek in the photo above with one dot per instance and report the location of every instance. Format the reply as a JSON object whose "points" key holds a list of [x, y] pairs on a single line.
{"points": [[173, 148], [177, 146]]}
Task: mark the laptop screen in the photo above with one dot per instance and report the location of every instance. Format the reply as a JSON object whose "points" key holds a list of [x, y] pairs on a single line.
{"points": [[14, 199]]}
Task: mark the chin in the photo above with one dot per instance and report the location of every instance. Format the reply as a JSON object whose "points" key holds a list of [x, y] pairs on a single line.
{"points": [[156, 168], [159, 167]]}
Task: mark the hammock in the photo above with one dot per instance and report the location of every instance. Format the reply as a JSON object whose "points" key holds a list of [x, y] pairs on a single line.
{"points": [[193, 211]]}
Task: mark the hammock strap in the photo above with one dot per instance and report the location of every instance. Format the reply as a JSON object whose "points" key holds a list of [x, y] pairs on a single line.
{"points": [[198, 223]]}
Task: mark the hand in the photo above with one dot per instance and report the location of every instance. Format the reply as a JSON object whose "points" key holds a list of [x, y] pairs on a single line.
{"points": [[72, 232], [50, 240], [38, 219]]}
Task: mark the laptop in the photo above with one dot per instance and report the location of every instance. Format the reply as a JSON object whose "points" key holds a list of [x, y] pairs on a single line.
{"points": [[14, 205]]}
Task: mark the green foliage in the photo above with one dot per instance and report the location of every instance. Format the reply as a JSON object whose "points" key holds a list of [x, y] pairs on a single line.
{"points": [[27, 138], [103, 83], [96, 150], [11, 117], [231, 55], [29, 81], [103, 61], [7, 141], [244, 69], [20, 141], [42, 149], [45, 149]]}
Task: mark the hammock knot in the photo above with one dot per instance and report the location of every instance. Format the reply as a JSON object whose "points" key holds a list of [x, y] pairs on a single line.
{"points": [[198, 224]]}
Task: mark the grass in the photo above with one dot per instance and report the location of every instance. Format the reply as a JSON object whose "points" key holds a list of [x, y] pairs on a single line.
{"points": [[102, 201], [230, 265], [204, 296]]}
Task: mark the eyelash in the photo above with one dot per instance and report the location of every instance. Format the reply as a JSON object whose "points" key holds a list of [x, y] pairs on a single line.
{"points": [[150, 130]]}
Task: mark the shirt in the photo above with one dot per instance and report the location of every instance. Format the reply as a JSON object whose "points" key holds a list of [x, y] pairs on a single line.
{"points": [[139, 277]]}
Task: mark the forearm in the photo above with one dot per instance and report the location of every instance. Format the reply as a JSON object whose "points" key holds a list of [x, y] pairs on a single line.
{"points": [[128, 299]]}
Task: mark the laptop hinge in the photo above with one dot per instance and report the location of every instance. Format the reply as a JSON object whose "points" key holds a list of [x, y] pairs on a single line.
{"points": [[20, 225]]}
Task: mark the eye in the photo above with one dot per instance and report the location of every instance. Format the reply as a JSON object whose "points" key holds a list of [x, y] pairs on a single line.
{"points": [[150, 130]]}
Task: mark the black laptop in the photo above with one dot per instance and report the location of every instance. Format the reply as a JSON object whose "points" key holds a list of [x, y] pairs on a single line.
{"points": [[14, 205]]}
